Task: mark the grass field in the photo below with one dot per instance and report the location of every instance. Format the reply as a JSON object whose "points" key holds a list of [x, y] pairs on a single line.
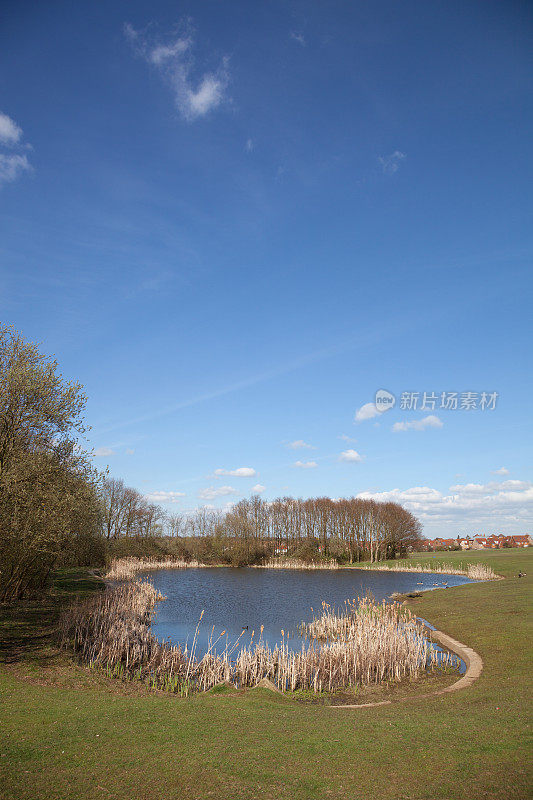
{"points": [[69, 733]]}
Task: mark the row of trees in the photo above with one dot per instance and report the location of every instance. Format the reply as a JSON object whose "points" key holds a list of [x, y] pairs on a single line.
{"points": [[353, 528], [56, 509], [348, 529]]}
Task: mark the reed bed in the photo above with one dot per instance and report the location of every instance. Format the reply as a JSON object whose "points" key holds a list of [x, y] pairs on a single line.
{"points": [[477, 572], [296, 563], [123, 569], [364, 643]]}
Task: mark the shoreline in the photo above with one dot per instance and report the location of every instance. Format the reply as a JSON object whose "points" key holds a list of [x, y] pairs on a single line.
{"points": [[113, 633], [127, 568], [432, 635], [472, 660]]}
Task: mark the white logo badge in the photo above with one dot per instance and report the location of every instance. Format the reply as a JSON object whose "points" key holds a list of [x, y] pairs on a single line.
{"points": [[384, 400]]}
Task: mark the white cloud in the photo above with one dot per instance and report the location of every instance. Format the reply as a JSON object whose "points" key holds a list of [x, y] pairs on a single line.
{"points": [[368, 411], [431, 421], [346, 438], [391, 164], [241, 472], [129, 451], [350, 456], [11, 166], [299, 444], [506, 505], [258, 488], [224, 509], [298, 37], [501, 471], [492, 486], [305, 464], [249, 145], [162, 53], [211, 492], [104, 451], [194, 97], [198, 103], [164, 497], [10, 133]]}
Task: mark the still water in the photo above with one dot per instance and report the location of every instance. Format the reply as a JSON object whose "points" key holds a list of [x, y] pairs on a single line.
{"points": [[239, 601]]}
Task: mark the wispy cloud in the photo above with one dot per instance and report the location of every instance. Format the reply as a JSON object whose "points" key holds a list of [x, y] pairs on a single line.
{"points": [[305, 464], [258, 488], [212, 492], [249, 146], [195, 95], [309, 358], [299, 444], [164, 497], [240, 472], [391, 164], [12, 165], [431, 421], [350, 456], [104, 451], [501, 471], [10, 133], [346, 438], [368, 411], [298, 37]]}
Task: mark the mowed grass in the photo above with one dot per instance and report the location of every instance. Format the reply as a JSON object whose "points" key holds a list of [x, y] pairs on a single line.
{"points": [[67, 733]]}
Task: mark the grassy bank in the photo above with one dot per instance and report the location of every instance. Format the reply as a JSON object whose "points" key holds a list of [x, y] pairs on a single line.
{"points": [[27, 628], [67, 733]]}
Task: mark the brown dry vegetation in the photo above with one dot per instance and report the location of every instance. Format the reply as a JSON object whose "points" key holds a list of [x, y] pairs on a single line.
{"points": [[476, 572], [364, 643]]}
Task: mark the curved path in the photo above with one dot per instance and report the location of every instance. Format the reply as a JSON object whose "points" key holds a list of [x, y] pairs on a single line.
{"points": [[474, 666]]}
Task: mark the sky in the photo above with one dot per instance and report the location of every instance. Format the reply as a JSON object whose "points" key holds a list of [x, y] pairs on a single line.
{"points": [[235, 222]]}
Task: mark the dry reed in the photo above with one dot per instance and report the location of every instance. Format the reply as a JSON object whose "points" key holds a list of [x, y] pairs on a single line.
{"points": [[477, 572], [365, 643], [296, 563], [123, 569]]}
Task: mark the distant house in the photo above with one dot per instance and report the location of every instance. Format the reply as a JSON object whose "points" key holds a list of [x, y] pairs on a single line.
{"points": [[466, 543], [493, 542], [479, 543], [499, 540], [496, 541], [524, 540], [444, 544]]}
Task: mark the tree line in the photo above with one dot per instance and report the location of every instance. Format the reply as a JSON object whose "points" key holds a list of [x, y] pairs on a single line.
{"points": [[349, 530], [57, 510]]}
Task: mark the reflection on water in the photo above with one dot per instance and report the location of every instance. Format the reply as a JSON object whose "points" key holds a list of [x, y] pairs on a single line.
{"points": [[239, 601]]}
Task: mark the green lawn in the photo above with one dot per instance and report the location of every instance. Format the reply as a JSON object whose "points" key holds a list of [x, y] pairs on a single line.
{"points": [[67, 733]]}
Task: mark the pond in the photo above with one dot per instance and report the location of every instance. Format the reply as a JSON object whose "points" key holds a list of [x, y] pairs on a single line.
{"points": [[239, 601]]}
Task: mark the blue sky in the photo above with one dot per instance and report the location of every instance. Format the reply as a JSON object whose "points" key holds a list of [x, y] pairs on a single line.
{"points": [[235, 222]]}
